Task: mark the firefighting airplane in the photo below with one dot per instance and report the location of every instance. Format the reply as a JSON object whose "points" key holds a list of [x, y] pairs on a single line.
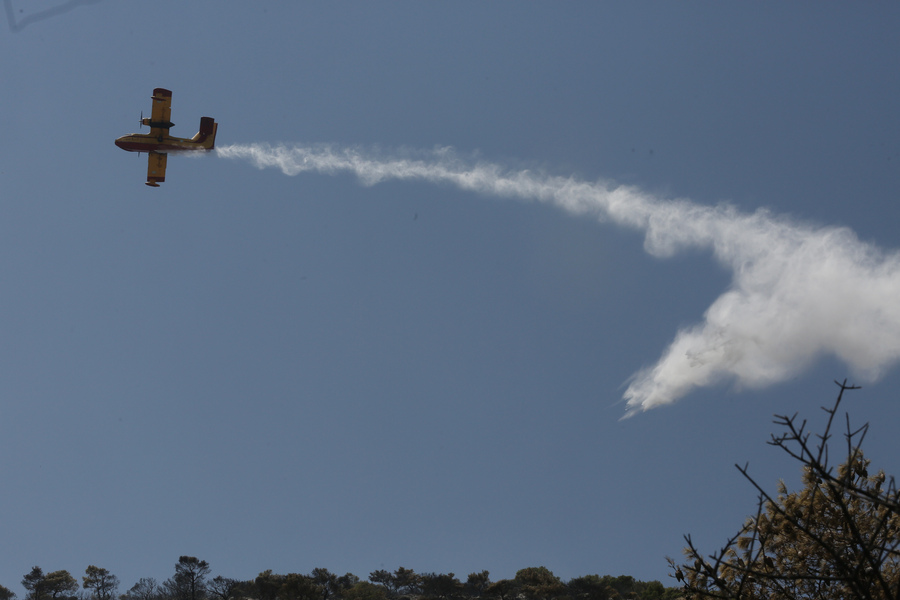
{"points": [[158, 142]]}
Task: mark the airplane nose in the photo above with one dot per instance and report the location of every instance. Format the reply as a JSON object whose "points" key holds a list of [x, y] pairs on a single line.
{"points": [[125, 143]]}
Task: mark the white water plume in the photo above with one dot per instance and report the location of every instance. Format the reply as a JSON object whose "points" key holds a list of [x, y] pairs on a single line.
{"points": [[797, 292]]}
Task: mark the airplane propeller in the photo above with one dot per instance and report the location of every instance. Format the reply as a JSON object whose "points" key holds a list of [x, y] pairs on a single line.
{"points": [[142, 121]]}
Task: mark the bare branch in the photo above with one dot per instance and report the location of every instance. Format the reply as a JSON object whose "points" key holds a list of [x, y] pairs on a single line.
{"points": [[838, 537]]}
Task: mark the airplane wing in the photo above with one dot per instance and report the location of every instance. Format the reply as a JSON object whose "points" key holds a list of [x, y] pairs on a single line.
{"points": [[160, 116], [156, 168]]}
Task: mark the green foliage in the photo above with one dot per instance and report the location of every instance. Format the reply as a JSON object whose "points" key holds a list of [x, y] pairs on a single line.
{"points": [[298, 587], [439, 586], [321, 584], [326, 581], [365, 590], [539, 583], [189, 581], [33, 582], [594, 587], [60, 585], [505, 589], [267, 585], [345, 582], [101, 582], [223, 588], [590, 587], [476, 584], [533, 583], [383, 578], [403, 581], [406, 581]]}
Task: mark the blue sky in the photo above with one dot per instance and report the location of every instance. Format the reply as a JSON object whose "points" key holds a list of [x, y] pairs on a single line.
{"points": [[288, 372]]}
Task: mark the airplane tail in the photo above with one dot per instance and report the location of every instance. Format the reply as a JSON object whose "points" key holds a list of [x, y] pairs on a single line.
{"points": [[206, 137]]}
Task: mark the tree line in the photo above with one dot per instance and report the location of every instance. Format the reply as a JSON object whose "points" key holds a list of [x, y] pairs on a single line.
{"points": [[837, 538], [191, 581]]}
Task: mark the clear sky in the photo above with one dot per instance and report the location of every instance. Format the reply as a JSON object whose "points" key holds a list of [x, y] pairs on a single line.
{"points": [[506, 226]]}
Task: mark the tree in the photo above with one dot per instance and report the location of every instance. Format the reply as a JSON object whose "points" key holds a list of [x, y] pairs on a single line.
{"points": [[365, 590], [837, 538], [33, 582], [654, 590], [477, 584], [222, 588], [189, 582], [344, 583], [326, 581], [401, 581], [331, 586], [6, 593], [623, 586], [382, 578], [298, 587], [440, 586], [267, 585], [539, 583], [504, 589], [590, 587], [406, 581], [145, 589], [60, 585], [102, 583]]}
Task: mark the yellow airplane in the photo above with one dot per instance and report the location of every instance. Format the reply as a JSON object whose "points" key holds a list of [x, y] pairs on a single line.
{"points": [[158, 143]]}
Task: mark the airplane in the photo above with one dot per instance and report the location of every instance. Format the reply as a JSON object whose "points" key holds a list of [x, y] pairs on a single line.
{"points": [[158, 143]]}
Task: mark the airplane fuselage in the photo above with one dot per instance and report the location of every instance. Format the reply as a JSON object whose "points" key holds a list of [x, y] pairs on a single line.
{"points": [[145, 142]]}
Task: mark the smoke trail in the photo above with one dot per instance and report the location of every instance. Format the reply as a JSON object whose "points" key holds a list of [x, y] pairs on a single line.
{"points": [[797, 291]]}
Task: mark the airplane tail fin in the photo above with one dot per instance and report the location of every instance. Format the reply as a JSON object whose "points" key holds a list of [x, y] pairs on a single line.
{"points": [[207, 134]]}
